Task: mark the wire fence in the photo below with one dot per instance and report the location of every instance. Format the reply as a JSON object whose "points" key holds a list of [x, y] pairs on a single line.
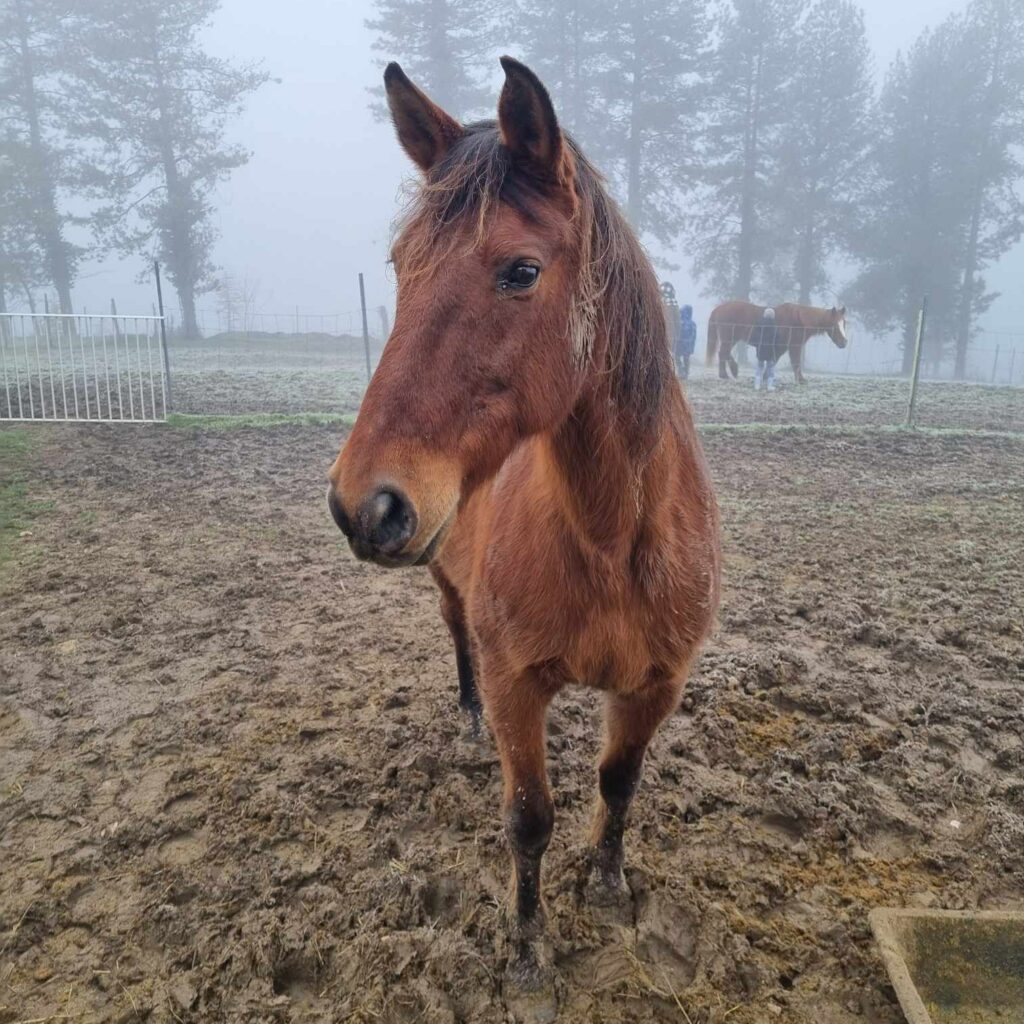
{"points": [[994, 357], [864, 383], [317, 363], [215, 322], [93, 368], [246, 362]]}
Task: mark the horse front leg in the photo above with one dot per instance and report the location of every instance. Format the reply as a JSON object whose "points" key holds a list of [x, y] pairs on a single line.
{"points": [[454, 613], [630, 723], [516, 710], [795, 359], [725, 359]]}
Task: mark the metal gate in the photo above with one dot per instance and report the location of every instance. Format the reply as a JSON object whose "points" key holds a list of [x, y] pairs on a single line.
{"points": [[103, 369]]}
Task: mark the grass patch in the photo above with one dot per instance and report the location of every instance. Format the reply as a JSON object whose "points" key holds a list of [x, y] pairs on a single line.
{"points": [[853, 429], [15, 442], [17, 509], [182, 421]]}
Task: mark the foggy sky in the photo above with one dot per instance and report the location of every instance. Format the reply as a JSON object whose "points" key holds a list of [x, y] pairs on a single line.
{"points": [[315, 204]]}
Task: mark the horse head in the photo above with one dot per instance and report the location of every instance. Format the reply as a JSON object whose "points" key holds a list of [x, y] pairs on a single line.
{"points": [[486, 345], [836, 329]]}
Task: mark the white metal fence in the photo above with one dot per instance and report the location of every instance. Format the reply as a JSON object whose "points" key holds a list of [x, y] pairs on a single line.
{"points": [[105, 369]]}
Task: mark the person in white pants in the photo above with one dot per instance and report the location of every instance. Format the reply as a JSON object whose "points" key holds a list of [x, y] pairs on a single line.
{"points": [[768, 344]]}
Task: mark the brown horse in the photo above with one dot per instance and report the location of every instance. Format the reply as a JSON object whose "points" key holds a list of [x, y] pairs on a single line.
{"points": [[525, 437], [733, 322]]}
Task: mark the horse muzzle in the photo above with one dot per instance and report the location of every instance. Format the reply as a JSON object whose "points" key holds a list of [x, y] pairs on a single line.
{"points": [[383, 527]]}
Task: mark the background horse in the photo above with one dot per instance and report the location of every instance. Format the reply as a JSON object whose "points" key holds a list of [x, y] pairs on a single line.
{"points": [[525, 437], [733, 322]]}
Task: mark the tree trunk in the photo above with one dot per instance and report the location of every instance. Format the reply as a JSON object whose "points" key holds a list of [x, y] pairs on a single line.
{"points": [[909, 340], [177, 239], [576, 92], [29, 297], [966, 312], [805, 263], [634, 194], [748, 198], [187, 298], [442, 64], [50, 234]]}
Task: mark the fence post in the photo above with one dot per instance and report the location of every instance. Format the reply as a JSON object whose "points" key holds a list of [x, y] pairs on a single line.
{"points": [[163, 334], [918, 347], [995, 363], [366, 329], [113, 315], [1013, 359]]}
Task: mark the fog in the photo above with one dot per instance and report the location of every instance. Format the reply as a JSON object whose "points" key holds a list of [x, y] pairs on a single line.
{"points": [[315, 204]]}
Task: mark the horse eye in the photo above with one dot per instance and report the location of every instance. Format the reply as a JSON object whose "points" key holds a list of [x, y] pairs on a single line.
{"points": [[519, 277]]}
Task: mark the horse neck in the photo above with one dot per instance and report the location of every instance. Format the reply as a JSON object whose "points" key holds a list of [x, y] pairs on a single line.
{"points": [[608, 464], [814, 320]]}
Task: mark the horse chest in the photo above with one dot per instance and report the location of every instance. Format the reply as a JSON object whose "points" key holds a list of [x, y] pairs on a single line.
{"points": [[588, 615]]}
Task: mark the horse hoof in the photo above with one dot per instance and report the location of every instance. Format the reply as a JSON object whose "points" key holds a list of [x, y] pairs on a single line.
{"points": [[473, 732], [529, 986], [609, 892]]}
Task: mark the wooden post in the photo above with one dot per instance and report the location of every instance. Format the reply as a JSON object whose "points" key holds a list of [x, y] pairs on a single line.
{"points": [[995, 363], [366, 329], [113, 314], [918, 347], [163, 335], [1013, 359]]}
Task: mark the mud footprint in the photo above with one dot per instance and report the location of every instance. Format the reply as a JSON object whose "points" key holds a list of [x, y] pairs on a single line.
{"points": [[666, 939], [183, 804], [182, 848]]}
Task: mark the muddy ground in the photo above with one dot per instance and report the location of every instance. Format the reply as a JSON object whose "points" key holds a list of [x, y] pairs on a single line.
{"points": [[233, 786]]}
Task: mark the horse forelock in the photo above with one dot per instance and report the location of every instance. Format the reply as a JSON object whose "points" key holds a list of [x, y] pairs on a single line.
{"points": [[615, 294]]}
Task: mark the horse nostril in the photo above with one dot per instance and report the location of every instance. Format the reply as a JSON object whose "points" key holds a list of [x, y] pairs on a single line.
{"points": [[390, 521], [338, 513]]}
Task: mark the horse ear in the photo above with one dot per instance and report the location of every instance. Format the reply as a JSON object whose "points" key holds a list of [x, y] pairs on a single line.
{"points": [[529, 128], [425, 131], [834, 310]]}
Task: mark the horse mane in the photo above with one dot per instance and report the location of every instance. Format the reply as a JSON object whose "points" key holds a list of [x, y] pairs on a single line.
{"points": [[813, 318], [616, 294]]}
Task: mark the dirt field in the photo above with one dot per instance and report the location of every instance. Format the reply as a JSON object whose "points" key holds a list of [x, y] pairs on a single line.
{"points": [[233, 788]]}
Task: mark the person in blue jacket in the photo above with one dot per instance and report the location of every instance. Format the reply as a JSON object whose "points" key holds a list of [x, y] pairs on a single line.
{"points": [[686, 341]]}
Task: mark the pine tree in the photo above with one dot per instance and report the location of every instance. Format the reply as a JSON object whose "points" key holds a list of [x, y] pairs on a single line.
{"points": [[991, 130], [625, 80], [159, 105], [33, 47], [823, 143], [649, 102], [22, 258], [442, 46], [915, 214], [558, 40], [732, 236]]}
